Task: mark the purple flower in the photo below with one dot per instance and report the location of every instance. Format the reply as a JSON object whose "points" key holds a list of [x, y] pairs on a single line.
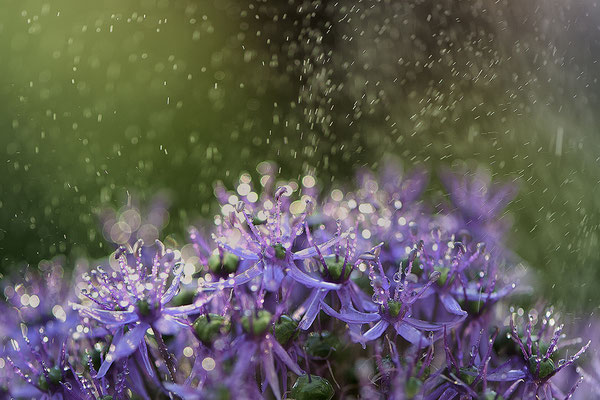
{"points": [[466, 375], [271, 247], [335, 269], [395, 302], [133, 299], [531, 375]]}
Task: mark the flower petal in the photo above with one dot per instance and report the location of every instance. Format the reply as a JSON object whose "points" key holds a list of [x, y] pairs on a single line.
{"points": [[107, 317], [241, 253], [424, 325], [108, 362], [285, 357], [411, 334], [189, 308], [350, 315], [237, 280], [269, 367], [146, 359], [124, 346], [506, 376], [313, 306], [311, 251], [451, 305], [376, 331], [272, 276], [307, 280], [172, 290]]}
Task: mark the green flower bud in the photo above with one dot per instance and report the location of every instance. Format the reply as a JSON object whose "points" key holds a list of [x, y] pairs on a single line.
{"points": [[285, 329], [316, 389], [258, 221], [335, 266], [260, 323], [280, 251], [413, 387], [227, 265], [441, 281], [490, 395], [546, 366], [143, 307], [321, 345], [54, 378], [416, 266], [394, 307], [468, 375], [209, 328], [183, 298]]}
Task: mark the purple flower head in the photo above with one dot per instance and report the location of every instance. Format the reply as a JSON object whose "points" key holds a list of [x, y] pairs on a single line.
{"points": [[258, 346], [532, 373], [41, 300], [395, 302], [476, 197], [336, 268], [46, 367], [409, 372], [135, 297], [479, 205], [271, 247], [467, 373], [384, 208], [469, 278]]}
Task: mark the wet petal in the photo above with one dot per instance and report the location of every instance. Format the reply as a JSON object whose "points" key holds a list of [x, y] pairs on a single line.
{"points": [[506, 376], [269, 367], [313, 306], [241, 253], [172, 290], [184, 391], [108, 362], [123, 346], [272, 276], [285, 357], [307, 280], [377, 330], [451, 305], [351, 316], [411, 334], [239, 279], [424, 325], [145, 358], [107, 317], [311, 251]]}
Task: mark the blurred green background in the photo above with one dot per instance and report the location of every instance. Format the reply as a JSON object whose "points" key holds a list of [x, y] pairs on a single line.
{"points": [[100, 99]]}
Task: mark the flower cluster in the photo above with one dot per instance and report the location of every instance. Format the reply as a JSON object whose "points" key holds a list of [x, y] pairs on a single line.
{"points": [[293, 293]]}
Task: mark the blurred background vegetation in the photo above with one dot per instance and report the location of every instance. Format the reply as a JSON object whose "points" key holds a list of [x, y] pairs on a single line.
{"points": [[105, 98]]}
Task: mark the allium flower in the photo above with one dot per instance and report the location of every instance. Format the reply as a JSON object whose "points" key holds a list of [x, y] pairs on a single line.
{"points": [[258, 344], [539, 363], [409, 371], [466, 375], [395, 306], [271, 247], [469, 276], [336, 269], [373, 259], [479, 204], [384, 207], [46, 366], [135, 297]]}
